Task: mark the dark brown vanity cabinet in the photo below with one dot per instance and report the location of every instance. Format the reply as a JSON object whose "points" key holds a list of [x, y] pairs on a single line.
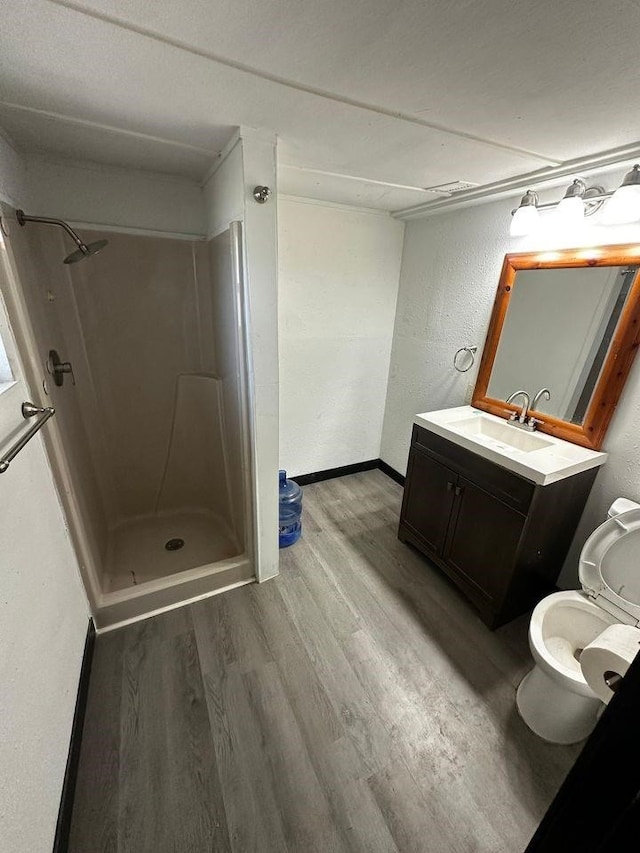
{"points": [[500, 537]]}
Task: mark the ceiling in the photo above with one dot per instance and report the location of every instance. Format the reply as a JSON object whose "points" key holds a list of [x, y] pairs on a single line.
{"points": [[372, 100]]}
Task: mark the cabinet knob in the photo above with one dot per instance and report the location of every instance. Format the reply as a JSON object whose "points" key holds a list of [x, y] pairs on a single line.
{"points": [[449, 486], [458, 490]]}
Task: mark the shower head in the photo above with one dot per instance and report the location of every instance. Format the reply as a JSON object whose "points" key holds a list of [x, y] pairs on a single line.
{"points": [[83, 250]]}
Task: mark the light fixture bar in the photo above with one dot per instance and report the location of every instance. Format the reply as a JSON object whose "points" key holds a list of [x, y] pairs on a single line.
{"points": [[579, 201], [601, 196]]}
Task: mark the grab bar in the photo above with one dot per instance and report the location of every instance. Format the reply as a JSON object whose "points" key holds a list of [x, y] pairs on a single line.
{"points": [[29, 410]]}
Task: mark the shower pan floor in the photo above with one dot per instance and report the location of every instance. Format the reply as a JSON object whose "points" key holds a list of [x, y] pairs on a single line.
{"points": [[136, 551]]}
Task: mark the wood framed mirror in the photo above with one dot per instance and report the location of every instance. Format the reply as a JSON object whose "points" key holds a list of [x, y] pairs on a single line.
{"points": [[569, 322]]}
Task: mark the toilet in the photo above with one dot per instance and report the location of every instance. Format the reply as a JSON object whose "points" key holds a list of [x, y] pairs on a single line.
{"points": [[554, 699]]}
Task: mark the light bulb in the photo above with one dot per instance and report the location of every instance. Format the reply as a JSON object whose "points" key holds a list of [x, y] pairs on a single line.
{"points": [[525, 221], [570, 211], [623, 206]]}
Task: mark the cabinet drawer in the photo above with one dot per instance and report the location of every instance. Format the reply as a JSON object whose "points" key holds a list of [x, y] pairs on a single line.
{"points": [[515, 491]]}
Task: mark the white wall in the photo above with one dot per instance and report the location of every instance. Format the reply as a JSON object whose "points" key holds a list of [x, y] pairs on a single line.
{"points": [[12, 171], [224, 190], [338, 284], [450, 270], [261, 271], [106, 196], [43, 622]]}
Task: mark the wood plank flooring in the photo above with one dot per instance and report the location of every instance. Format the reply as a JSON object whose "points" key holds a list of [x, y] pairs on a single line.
{"points": [[356, 703]]}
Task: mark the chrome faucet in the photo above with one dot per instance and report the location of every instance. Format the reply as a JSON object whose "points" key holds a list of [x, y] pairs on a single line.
{"points": [[543, 392], [525, 406]]}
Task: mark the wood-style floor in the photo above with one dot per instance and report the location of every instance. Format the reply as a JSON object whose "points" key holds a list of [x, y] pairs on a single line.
{"points": [[356, 703]]}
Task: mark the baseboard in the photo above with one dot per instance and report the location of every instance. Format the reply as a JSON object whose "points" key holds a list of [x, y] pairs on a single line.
{"points": [[63, 826], [391, 472], [345, 470], [332, 473]]}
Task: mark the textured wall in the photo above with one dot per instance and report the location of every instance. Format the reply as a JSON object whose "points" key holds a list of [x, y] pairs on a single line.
{"points": [[450, 270], [338, 282]]}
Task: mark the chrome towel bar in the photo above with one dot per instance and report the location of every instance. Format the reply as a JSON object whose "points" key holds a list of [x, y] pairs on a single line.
{"points": [[29, 410]]}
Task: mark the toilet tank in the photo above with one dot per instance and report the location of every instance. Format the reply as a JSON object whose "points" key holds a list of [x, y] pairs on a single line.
{"points": [[621, 505]]}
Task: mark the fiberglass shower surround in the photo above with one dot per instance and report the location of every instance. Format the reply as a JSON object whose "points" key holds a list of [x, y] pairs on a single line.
{"points": [[152, 429]]}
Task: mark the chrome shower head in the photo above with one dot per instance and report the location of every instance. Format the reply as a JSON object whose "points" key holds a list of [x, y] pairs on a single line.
{"points": [[83, 250]]}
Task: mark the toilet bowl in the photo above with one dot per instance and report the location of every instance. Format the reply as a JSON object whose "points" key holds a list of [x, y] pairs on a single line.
{"points": [[554, 699]]}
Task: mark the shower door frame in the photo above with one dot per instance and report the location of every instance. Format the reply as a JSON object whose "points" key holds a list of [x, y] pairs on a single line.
{"points": [[119, 606], [246, 392]]}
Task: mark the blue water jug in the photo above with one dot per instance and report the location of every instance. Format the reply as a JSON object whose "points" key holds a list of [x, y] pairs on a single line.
{"points": [[290, 510]]}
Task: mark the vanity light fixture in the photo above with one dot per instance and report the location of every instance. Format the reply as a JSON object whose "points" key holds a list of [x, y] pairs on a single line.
{"points": [[625, 202], [525, 218], [623, 205], [571, 208]]}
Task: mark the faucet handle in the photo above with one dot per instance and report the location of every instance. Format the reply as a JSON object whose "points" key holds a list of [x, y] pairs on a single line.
{"points": [[513, 416], [533, 422]]}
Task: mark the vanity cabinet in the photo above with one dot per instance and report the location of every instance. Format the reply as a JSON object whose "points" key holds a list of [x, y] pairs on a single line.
{"points": [[500, 537]]}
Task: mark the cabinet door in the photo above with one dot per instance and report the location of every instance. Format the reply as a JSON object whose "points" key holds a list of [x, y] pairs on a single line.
{"points": [[428, 499], [482, 540]]}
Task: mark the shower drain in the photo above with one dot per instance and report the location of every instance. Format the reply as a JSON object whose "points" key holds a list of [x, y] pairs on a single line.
{"points": [[174, 544]]}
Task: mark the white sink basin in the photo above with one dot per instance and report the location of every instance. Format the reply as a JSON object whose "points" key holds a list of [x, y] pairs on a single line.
{"points": [[503, 433], [541, 458]]}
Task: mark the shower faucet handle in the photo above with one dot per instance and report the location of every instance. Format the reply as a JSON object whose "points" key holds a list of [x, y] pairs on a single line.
{"points": [[58, 368]]}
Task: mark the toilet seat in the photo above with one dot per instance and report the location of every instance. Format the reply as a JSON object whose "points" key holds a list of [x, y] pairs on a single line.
{"points": [[608, 568]]}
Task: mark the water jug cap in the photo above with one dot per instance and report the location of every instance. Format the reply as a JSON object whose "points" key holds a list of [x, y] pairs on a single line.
{"points": [[282, 476]]}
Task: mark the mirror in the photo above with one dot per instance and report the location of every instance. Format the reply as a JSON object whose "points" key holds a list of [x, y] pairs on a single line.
{"points": [[557, 333], [567, 323]]}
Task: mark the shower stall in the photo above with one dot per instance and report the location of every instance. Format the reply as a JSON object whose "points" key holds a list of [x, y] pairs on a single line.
{"points": [[142, 349]]}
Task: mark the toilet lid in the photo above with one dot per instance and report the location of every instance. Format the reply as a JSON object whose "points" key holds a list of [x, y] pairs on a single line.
{"points": [[610, 566]]}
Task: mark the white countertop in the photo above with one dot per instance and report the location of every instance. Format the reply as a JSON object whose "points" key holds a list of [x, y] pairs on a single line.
{"points": [[550, 459]]}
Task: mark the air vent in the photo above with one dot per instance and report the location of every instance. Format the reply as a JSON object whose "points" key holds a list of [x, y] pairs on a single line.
{"points": [[452, 187]]}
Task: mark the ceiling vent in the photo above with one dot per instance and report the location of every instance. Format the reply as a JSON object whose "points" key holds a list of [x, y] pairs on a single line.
{"points": [[451, 188]]}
